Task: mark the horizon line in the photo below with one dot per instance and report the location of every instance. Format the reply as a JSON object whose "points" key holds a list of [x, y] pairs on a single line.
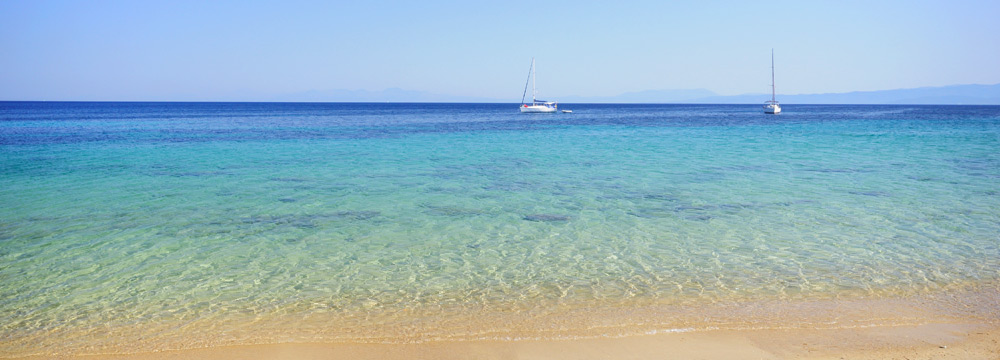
{"points": [[471, 102], [486, 100]]}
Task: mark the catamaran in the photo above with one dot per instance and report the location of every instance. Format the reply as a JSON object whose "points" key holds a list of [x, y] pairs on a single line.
{"points": [[536, 106], [772, 107]]}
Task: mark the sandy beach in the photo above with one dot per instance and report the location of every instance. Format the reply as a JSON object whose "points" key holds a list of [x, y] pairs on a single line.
{"points": [[930, 341], [960, 324]]}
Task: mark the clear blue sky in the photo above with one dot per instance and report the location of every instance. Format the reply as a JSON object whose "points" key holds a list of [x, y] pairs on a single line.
{"points": [[244, 50]]}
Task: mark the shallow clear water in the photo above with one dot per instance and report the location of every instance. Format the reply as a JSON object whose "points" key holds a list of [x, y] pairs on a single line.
{"points": [[250, 222]]}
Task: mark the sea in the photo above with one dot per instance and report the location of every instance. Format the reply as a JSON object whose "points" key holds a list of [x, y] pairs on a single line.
{"points": [[131, 227]]}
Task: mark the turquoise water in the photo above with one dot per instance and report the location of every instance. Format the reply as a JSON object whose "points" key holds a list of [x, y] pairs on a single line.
{"points": [[138, 226]]}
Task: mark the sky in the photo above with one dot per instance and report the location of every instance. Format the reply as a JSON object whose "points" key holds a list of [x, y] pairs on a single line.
{"points": [[254, 51]]}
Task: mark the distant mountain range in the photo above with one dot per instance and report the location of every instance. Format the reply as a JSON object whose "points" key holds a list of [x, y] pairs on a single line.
{"points": [[943, 95], [645, 97], [387, 95]]}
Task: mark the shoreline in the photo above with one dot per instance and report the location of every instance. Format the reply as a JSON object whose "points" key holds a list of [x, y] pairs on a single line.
{"points": [[944, 340], [821, 329]]}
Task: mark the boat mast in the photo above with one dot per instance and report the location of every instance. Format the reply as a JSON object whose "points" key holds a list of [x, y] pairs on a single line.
{"points": [[533, 91], [527, 80], [772, 76]]}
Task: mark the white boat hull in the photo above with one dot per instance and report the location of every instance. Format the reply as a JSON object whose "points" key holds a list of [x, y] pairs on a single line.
{"points": [[537, 109], [772, 109]]}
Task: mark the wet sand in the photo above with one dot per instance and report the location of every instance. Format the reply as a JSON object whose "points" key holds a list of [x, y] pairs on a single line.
{"points": [[961, 324], [930, 341]]}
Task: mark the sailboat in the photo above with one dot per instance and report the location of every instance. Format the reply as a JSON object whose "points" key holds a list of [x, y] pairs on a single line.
{"points": [[772, 107], [536, 106]]}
